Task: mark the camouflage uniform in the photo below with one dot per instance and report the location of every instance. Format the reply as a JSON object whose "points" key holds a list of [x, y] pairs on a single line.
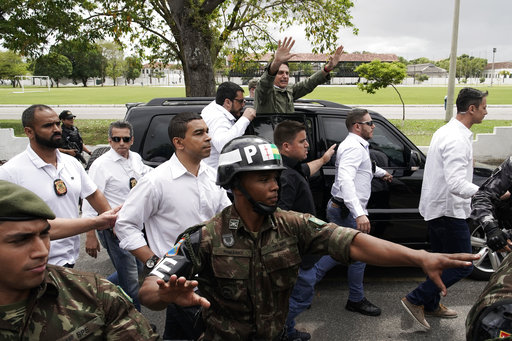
{"points": [[489, 316], [71, 305], [248, 279], [486, 201]]}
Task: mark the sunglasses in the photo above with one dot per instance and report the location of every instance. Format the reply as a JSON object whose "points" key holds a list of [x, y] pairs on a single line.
{"points": [[125, 139], [240, 101], [368, 123]]}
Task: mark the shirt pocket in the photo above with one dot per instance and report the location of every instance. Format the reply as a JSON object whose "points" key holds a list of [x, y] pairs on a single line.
{"points": [[85, 331], [281, 261], [231, 268]]}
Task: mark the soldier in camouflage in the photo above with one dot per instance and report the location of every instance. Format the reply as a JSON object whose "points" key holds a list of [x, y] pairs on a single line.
{"points": [[46, 302], [492, 197], [247, 257]]}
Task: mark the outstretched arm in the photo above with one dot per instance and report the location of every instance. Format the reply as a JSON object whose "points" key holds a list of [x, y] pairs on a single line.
{"points": [[333, 60], [156, 294], [380, 252]]}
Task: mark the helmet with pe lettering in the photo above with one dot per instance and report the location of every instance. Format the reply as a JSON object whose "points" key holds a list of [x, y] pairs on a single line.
{"points": [[245, 154]]}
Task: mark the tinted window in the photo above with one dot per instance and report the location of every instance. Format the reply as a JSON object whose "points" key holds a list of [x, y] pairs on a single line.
{"points": [[157, 146], [385, 145]]}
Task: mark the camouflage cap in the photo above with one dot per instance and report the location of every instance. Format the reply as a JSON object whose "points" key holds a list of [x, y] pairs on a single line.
{"points": [[18, 203]]}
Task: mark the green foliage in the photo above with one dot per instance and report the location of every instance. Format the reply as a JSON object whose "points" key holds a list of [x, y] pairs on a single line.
{"points": [[132, 68], [54, 65], [467, 66], [85, 57], [380, 75], [421, 60], [11, 65], [112, 55], [421, 77]]}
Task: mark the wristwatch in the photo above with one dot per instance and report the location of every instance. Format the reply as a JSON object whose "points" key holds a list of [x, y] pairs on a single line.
{"points": [[150, 264]]}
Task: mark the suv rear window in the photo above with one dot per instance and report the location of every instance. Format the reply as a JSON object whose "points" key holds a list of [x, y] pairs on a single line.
{"points": [[157, 146]]}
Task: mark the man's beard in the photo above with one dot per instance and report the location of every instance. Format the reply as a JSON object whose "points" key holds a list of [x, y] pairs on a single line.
{"points": [[51, 142]]}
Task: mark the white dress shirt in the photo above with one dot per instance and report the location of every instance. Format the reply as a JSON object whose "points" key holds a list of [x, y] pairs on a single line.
{"points": [[112, 172], [168, 200], [223, 127], [353, 179], [447, 183], [27, 169]]}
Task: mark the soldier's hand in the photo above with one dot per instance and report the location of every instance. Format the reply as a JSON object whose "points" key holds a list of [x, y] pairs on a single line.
{"points": [[496, 238], [180, 291], [433, 265], [107, 219]]}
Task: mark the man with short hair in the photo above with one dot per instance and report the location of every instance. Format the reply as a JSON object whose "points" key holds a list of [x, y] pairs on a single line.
{"points": [[253, 83], [115, 173], [225, 120], [274, 95], [60, 180], [445, 201], [351, 191], [295, 195], [39, 301], [179, 193], [247, 256], [72, 143]]}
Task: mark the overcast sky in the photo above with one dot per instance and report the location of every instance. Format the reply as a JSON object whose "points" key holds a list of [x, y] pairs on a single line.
{"points": [[414, 28]]}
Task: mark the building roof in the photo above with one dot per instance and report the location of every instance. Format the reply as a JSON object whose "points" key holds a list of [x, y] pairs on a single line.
{"points": [[324, 57], [500, 65]]}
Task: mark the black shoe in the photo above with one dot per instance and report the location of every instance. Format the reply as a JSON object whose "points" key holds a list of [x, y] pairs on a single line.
{"points": [[364, 307], [298, 336]]}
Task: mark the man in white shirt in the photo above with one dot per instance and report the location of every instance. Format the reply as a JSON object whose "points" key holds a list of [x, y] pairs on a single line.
{"points": [[224, 120], [176, 195], [350, 193], [115, 173], [445, 201], [60, 180]]}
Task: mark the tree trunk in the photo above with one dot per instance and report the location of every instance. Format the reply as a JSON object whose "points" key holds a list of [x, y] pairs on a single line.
{"points": [[195, 53]]}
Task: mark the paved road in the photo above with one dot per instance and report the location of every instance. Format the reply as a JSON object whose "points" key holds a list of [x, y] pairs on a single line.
{"points": [[117, 111], [328, 320]]}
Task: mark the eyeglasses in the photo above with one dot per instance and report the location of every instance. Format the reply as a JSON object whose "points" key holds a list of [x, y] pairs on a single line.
{"points": [[240, 101], [368, 123], [125, 139]]}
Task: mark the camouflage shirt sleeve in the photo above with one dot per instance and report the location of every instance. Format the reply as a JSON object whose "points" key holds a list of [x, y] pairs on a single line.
{"points": [[484, 201]]}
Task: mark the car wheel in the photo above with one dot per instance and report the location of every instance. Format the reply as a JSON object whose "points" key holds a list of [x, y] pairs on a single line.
{"points": [[489, 261]]}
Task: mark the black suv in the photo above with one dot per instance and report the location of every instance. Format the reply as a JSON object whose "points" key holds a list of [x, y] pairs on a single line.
{"points": [[393, 208]]}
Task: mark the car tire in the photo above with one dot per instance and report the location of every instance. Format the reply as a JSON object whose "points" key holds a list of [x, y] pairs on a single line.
{"points": [[489, 260]]}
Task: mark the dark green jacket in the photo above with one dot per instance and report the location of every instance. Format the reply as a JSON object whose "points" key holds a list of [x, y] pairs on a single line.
{"points": [[271, 99]]}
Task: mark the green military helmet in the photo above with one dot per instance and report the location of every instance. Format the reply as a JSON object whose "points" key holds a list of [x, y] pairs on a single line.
{"points": [[246, 154]]}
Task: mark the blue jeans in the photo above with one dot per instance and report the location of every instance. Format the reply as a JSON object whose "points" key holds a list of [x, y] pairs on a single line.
{"points": [[355, 273], [447, 235], [127, 266], [301, 297]]}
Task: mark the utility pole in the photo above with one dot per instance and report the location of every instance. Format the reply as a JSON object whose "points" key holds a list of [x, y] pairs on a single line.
{"points": [[453, 62], [492, 73]]}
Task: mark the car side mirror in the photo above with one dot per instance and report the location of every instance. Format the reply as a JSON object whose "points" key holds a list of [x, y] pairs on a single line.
{"points": [[415, 160]]}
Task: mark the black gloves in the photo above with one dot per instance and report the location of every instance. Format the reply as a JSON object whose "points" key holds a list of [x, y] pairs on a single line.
{"points": [[496, 238]]}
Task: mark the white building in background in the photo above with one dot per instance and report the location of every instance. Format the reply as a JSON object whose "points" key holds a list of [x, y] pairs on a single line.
{"points": [[498, 67], [428, 69]]}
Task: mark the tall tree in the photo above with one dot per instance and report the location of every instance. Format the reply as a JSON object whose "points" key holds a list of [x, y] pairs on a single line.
{"points": [[194, 32], [132, 68], [113, 55], [381, 75], [53, 65], [85, 57], [467, 66], [11, 65]]}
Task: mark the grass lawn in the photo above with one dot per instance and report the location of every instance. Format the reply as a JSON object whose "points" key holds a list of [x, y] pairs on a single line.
{"points": [[418, 131], [340, 94]]}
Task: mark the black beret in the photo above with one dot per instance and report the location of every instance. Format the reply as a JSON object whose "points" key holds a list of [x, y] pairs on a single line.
{"points": [[18, 203]]}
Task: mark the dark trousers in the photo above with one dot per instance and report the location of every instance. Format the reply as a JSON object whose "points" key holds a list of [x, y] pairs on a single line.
{"points": [[447, 235], [182, 323]]}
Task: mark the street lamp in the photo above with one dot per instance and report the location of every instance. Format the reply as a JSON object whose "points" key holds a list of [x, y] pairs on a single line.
{"points": [[492, 72]]}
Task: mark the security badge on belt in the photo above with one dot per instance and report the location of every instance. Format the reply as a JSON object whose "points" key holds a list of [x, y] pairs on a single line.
{"points": [[228, 239]]}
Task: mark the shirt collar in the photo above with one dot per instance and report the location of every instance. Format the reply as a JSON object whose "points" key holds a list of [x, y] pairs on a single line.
{"points": [[459, 125], [115, 155], [223, 110], [177, 169], [359, 139], [40, 163]]}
